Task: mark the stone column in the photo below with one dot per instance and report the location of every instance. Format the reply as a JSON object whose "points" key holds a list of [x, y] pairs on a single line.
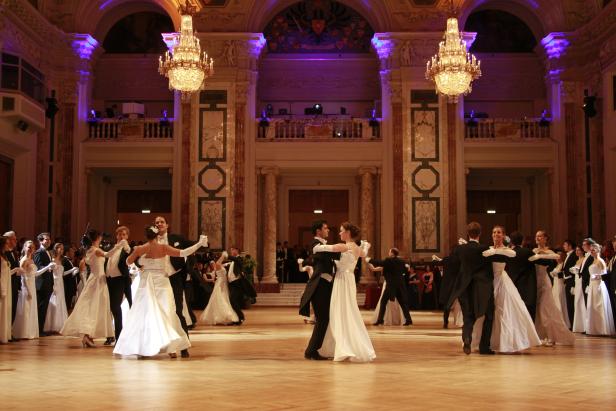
{"points": [[367, 216], [270, 215]]}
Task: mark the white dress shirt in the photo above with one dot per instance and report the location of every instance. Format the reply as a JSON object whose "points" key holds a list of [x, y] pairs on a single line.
{"points": [[112, 265], [168, 266]]}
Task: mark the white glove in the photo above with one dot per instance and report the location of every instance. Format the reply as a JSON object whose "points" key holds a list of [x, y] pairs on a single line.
{"points": [[367, 259], [133, 269], [436, 258], [203, 240], [225, 255], [300, 261], [17, 271], [489, 252], [574, 270], [125, 246], [534, 257], [51, 266], [462, 241], [193, 248], [365, 246], [587, 289]]}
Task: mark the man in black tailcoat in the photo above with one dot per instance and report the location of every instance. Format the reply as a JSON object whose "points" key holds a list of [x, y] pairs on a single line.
{"points": [[44, 282], [522, 273], [475, 289], [318, 290], [393, 270]]}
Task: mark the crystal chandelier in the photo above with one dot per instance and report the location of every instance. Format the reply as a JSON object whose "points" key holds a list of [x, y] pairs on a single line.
{"points": [[453, 69], [186, 67]]}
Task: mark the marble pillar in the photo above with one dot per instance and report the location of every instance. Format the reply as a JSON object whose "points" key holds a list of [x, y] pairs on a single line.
{"points": [[270, 215], [367, 216]]}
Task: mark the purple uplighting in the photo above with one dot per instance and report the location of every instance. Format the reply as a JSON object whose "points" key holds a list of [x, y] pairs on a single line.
{"points": [[555, 44], [382, 46], [84, 45], [105, 4]]}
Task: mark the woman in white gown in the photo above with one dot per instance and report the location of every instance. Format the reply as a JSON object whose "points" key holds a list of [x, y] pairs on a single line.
{"points": [[57, 312], [6, 301], [549, 319], [91, 318], [558, 289], [135, 275], [346, 337], [26, 324], [219, 310], [513, 329], [600, 319], [152, 325], [579, 312]]}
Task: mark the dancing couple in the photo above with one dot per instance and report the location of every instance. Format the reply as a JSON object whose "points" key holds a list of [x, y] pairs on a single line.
{"points": [[339, 330]]}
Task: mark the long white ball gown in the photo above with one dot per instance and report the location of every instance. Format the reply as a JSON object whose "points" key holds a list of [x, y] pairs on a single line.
{"points": [[134, 286], [600, 319], [559, 294], [549, 319], [346, 337], [56, 311], [219, 310], [92, 312], [393, 311], [26, 318], [579, 313], [5, 301], [513, 329], [152, 325]]}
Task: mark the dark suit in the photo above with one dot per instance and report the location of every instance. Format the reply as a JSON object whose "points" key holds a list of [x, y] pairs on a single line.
{"points": [[569, 278], [610, 280], [451, 270], [178, 279], [522, 273], [44, 285], [15, 282], [117, 291], [70, 282], [393, 270], [318, 291], [236, 292], [585, 274], [475, 291]]}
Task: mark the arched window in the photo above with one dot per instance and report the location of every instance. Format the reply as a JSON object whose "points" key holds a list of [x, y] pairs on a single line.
{"points": [[499, 32], [138, 33], [318, 26]]}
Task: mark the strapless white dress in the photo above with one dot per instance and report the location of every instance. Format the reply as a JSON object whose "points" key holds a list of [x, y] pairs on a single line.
{"points": [[219, 310], [346, 337], [600, 319], [152, 325]]}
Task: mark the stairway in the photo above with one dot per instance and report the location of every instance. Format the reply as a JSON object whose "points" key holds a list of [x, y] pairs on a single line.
{"points": [[290, 295]]}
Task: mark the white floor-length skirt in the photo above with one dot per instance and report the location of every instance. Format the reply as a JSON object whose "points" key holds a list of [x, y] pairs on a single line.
{"points": [[56, 311], [579, 314], [549, 319], [26, 318], [560, 298], [600, 319], [346, 337], [219, 310], [92, 312]]}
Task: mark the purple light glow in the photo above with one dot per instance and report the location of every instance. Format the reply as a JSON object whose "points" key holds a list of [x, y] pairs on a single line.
{"points": [[105, 4], [84, 45], [555, 44], [382, 46]]}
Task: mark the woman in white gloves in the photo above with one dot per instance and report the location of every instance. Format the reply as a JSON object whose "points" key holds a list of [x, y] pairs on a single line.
{"points": [[346, 337], [600, 319], [513, 329], [219, 310], [91, 318], [152, 325], [549, 319], [25, 325], [57, 312], [579, 312]]}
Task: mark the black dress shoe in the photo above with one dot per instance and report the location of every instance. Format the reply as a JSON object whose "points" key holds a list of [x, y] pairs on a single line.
{"points": [[236, 323], [378, 323], [315, 356], [486, 352], [445, 325], [184, 354], [109, 341], [408, 323], [467, 349]]}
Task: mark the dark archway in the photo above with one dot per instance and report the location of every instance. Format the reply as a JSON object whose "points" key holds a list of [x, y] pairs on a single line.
{"points": [[500, 32], [138, 33]]}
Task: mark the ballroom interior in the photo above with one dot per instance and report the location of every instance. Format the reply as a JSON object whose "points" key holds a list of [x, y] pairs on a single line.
{"points": [[309, 109]]}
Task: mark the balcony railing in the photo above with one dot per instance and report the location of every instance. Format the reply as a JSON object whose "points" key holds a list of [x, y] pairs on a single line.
{"points": [[131, 129], [507, 129], [318, 129]]}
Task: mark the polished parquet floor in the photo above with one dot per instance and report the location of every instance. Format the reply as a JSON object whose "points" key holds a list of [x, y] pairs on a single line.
{"points": [[260, 366]]}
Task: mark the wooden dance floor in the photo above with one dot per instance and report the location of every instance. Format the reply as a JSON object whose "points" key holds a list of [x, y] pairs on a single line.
{"points": [[260, 366]]}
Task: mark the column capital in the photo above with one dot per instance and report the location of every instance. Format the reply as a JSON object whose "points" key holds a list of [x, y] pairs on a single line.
{"points": [[273, 170], [367, 170]]}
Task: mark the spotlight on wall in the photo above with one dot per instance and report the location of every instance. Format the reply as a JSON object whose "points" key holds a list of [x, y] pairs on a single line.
{"points": [[318, 211], [22, 125], [145, 211], [491, 211]]}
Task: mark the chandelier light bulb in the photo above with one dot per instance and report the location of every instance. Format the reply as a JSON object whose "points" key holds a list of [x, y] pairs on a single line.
{"points": [[453, 69]]}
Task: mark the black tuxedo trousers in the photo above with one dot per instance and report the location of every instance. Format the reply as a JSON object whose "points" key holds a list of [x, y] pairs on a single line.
{"points": [[320, 303]]}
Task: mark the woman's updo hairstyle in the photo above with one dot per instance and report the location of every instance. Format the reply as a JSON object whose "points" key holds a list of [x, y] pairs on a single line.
{"points": [[92, 235], [352, 229], [151, 232]]}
